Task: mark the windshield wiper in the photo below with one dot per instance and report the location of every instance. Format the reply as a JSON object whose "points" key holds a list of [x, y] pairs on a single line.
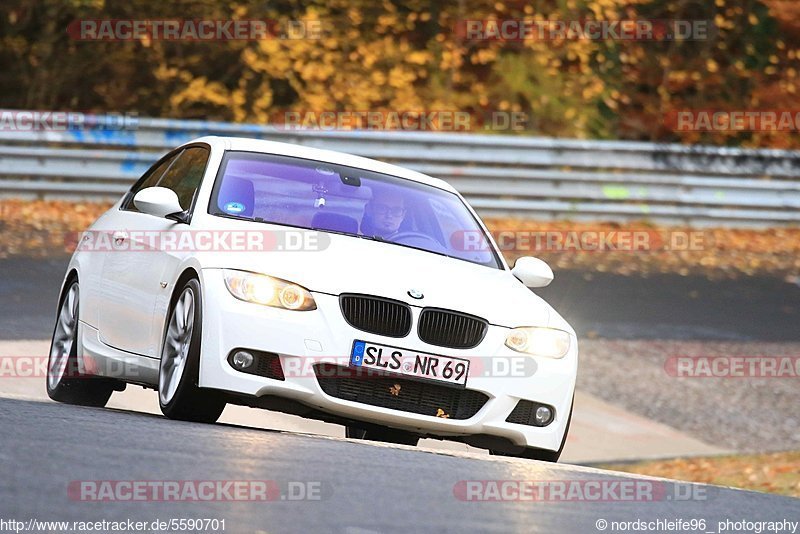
{"points": [[381, 239], [327, 230], [362, 236]]}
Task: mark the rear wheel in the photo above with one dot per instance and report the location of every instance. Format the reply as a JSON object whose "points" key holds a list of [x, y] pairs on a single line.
{"points": [[65, 383], [384, 434], [178, 394]]}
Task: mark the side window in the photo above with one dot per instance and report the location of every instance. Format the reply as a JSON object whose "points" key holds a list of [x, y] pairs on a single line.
{"points": [[149, 179], [185, 175]]}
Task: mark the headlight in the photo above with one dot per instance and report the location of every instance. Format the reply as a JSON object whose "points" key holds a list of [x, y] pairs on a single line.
{"points": [[269, 291], [539, 341]]}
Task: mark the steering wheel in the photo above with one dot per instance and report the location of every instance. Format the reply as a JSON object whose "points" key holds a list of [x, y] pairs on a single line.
{"points": [[417, 239]]}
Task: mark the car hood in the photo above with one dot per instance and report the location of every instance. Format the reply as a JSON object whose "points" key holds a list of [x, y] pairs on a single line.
{"points": [[347, 264]]}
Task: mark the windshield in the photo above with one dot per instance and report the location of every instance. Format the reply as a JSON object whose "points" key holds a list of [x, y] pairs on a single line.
{"points": [[346, 200]]}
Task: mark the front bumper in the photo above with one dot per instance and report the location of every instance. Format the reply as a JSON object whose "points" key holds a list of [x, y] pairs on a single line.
{"points": [[303, 339]]}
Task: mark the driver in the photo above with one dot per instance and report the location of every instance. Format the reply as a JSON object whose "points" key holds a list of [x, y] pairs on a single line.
{"points": [[384, 214]]}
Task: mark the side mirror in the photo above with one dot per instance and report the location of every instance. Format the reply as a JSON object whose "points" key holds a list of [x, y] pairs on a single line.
{"points": [[158, 201], [532, 272]]}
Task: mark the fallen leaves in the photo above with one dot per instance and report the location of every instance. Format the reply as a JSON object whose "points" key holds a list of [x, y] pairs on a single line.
{"points": [[777, 472], [717, 253], [48, 228], [43, 228]]}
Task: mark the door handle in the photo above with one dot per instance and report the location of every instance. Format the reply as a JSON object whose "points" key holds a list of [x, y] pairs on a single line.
{"points": [[119, 237]]}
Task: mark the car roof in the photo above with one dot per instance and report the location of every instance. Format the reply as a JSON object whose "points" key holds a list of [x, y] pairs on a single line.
{"points": [[328, 156]]}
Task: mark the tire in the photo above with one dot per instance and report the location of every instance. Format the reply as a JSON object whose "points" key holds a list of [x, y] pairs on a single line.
{"points": [[178, 394], [64, 381], [543, 455], [353, 432], [384, 434]]}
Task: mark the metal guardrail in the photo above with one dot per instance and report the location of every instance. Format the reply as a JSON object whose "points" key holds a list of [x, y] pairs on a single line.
{"points": [[499, 175]]}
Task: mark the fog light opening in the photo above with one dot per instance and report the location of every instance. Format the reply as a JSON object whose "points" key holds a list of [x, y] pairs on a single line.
{"points": [[543, 415], [242, 359]]}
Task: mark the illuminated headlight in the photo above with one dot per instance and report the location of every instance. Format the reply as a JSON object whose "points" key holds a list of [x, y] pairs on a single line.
{"points": [[269, 291], [539, 341]]}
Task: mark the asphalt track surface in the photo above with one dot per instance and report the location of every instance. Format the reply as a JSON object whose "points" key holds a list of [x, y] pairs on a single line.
{"points": [[365, 487], [607, 305], [360, 487]]}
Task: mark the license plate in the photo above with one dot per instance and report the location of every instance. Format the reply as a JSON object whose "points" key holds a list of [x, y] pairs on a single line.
{"points": [[410, 363]]}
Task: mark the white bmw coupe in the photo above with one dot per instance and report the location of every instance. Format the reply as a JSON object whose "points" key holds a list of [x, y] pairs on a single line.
{"points": [[319, 284]]}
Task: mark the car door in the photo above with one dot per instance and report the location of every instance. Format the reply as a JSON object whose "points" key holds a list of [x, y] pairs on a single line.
{"points": [[136, 278]]}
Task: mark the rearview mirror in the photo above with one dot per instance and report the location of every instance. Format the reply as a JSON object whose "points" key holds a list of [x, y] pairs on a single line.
{"points": [[158, 201], [532, 272]]}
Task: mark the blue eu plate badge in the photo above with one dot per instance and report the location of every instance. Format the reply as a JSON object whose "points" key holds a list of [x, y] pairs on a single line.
{"points": [[357, 358]]}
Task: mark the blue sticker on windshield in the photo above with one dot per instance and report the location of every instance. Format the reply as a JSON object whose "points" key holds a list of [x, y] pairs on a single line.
{"points": [[234, 207]]}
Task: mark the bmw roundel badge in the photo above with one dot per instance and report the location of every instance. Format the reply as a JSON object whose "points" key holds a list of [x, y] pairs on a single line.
{"points": [[415, 294]]}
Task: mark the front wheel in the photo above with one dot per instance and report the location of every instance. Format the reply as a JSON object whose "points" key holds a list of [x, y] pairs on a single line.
{"points": [[65, 383], [178, 394]]}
